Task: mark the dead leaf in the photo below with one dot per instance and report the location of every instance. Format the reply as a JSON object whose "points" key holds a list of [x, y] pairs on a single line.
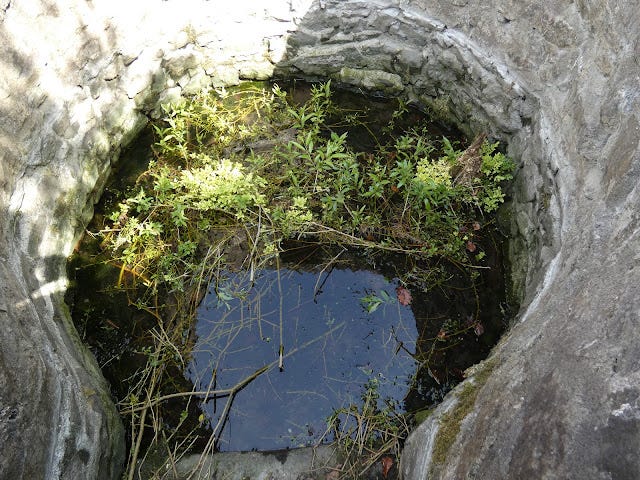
{"points": [[478, 328], [334, 474], [387, 463], [404, 295], [470, 162], [471, 246]]}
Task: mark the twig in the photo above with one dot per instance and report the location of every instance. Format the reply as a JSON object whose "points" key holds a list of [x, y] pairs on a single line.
{"points": [[281, 349], [138, 441], [316, 289], [217, 393]]}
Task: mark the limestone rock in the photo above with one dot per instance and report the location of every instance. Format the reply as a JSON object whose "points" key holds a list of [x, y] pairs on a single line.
{"points": [[373, 80]]}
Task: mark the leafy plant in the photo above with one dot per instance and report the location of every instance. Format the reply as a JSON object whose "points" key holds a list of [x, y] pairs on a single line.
{"points": [[367, 433], [372, 301], [313, 185]]}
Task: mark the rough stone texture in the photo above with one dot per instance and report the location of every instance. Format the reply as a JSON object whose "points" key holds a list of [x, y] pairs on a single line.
{"points": [[560, 81], [395, 47], [563, 401], [295, 464]]}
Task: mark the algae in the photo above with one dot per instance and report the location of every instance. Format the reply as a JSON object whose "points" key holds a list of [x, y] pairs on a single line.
{"points": [[450, 422]]}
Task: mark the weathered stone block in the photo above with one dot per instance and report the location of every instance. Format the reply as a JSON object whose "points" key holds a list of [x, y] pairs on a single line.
{"points": [[375, 80]]}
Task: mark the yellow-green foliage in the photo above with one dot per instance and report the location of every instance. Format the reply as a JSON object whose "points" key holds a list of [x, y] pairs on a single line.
{"points": [[436, 172], [294, 218], [496, 168], [206, 177], [222, 185]]}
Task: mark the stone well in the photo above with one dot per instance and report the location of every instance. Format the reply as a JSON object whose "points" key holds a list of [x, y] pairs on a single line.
{"points": [[558, 81]]}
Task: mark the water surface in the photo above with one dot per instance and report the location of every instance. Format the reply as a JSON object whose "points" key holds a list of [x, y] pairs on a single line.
{"points": [[333, 344]]}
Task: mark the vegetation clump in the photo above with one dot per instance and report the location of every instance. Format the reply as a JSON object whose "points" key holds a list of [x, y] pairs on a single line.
{"points": [[369, 434], [450, 422], [272, 171]]}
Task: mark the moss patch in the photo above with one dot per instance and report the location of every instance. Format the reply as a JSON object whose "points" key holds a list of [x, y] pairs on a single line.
{"points": [[450, 422], [421, 415]]}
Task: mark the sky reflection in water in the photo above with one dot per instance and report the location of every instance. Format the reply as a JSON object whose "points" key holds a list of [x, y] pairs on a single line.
{"points": [[332, 347]]}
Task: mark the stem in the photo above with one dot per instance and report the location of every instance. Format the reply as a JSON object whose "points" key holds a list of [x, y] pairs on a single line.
{"points": [[281, 350], [206, 393]]}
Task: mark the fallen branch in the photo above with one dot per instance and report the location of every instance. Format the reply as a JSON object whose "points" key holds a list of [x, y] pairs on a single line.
{"points": [[205, 393]]}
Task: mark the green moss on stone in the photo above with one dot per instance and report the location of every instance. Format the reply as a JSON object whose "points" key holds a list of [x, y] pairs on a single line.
{"points": [[421, 415], [450, 422]]}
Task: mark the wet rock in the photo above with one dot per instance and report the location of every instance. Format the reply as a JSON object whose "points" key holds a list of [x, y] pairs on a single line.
{"points": [[297, 464]]}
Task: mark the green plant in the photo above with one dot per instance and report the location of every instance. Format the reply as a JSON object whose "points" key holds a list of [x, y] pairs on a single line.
{"points": [[313, 185], [367, 433], [372, 301]]}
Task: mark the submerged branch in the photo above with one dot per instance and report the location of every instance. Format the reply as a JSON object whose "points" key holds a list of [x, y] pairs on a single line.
{"points": [[205, 393], [228, 391]]}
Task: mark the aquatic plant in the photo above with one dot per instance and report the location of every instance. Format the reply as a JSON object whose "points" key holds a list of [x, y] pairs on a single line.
{"points": [[367, 434]]}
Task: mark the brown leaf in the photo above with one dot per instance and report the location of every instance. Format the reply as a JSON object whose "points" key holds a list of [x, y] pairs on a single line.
{"points": [[471, 246], [334, 474], [478, 328], [387, 463], [404, 296]]}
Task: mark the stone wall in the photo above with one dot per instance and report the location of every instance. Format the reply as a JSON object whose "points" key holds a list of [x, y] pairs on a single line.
{"points": [[558, 82]]}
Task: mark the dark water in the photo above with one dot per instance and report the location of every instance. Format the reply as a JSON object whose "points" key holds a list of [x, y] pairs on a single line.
{"points": [[332, 348]]}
